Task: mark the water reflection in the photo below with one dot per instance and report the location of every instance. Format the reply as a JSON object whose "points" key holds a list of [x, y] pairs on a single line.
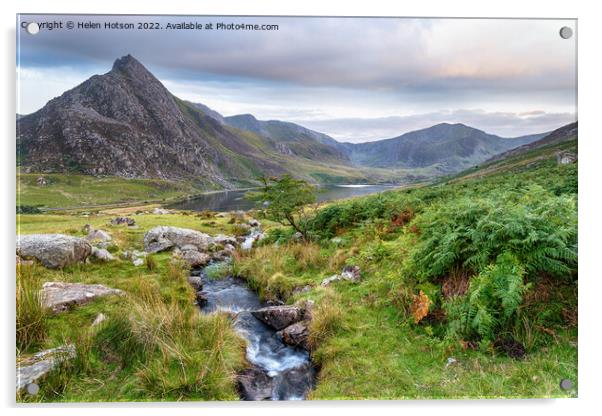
{"points": [[235, 200]]}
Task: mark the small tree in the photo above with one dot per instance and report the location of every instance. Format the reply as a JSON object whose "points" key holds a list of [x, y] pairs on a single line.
{"points": [[285, 200]]}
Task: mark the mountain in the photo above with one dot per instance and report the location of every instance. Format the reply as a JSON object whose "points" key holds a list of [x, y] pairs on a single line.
{"points": [[126, 123], [561, 135], [447, 147], [292, 139]]}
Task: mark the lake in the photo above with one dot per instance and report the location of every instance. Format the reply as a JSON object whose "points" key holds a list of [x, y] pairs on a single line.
{"points": [[235, 200]]}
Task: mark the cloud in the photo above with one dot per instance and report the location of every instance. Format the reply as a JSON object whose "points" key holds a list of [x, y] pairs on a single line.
{"points": [[325, 68], [504, 124]]}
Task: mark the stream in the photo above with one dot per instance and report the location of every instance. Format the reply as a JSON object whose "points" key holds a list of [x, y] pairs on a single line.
{"points": [[278, 371]]}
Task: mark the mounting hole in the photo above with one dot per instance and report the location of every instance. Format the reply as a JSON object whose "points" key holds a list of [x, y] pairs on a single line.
{"points": [[566, 32], [566, 384], [32, 389], [32, 28]]}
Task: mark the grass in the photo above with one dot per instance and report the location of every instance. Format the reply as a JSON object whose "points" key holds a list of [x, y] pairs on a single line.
{"points": [[154, 345], [364, 338], [32, 318], [71, 190]]}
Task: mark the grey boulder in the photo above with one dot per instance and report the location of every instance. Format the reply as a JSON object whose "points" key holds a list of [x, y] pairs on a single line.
{"points": [[53, 250], [279, 317], [296, 334], [162, 238], [34, 368], [60, 296]]}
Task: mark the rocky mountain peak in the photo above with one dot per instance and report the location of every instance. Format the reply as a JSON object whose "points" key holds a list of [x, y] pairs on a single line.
{"points": [[127, 63]]}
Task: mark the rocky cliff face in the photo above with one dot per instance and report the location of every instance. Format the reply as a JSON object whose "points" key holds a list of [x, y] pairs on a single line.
{"points": [[127, 123]]}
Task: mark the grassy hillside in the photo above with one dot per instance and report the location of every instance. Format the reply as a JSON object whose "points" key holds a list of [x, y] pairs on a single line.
{"points": [[469, 289], [154, 344], [71, 190], [490, 255]]}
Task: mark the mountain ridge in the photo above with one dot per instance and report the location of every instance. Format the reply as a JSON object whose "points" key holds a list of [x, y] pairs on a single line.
{"points": [[126, 123]]}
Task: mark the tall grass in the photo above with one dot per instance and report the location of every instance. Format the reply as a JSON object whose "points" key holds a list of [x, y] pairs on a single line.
{"points": [[326, 319], [275, 271], [32, 316]]}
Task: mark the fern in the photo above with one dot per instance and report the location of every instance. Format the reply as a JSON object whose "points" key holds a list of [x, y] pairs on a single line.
{"points": [[491, 303]]}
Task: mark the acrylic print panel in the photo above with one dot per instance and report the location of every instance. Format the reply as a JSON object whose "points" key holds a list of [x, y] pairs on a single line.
{"points": [[282, 208]]}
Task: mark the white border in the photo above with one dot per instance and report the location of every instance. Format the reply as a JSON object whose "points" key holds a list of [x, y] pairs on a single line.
{"points": [[590, 110]]}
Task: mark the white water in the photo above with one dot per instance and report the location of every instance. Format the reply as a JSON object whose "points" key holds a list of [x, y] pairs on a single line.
{"points": [[288, 368]]}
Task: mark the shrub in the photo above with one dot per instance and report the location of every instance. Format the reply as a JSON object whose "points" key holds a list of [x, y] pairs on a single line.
{"points": [[491, 304], [32, 316], [28, 209], [537, 227]]}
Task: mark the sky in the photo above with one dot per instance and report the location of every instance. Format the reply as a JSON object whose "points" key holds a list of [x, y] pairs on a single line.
{"points": [[355, 79]]}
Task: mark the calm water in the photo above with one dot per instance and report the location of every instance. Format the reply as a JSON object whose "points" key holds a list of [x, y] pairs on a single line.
{"points": [[235, 200]]}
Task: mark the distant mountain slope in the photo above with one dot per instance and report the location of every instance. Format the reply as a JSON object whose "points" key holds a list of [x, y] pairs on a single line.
{"points": [[563, 134], [126, 123], [292, 139], [541, 152], [451, 147]]}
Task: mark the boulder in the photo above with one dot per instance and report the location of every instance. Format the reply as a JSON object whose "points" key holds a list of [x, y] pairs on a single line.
{"points": [[130, 222], [60, 296], [201, 298], [102, 254], [53, 250], [254, 223], [163, 238], [566, 158], [196, 282], [351, 273], [294, 382], [224, 240], [161, 211], [137, 257], [98, 236], [334, 278], [279, 317], [195, 258], [254, 384], [32, 369], [296, 334]]}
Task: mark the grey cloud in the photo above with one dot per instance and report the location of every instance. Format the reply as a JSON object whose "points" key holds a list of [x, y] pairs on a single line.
{"points": [[505, 124], [352, 53]]}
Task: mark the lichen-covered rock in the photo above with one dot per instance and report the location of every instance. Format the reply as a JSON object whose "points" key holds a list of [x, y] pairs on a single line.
{"points": [[279, 317], [53, 250], [32, 369], [130, 222], [163, 238], [195, 258], [60, 296], [349, 273], [224, 240], [196, 282], [161, 211], [98, 236], [254, 384], [296, 334], [102, 254]]}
